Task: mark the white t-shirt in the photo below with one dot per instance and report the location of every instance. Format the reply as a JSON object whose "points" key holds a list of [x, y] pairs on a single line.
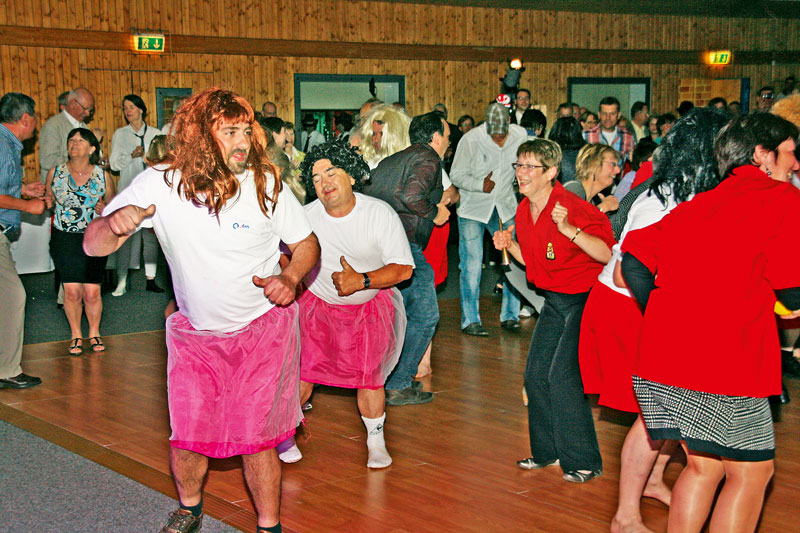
{"points": [[213, 261], [646, 210], [369, 237]]}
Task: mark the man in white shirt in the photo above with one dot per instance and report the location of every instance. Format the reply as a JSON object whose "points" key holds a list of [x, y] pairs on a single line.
{"points": [[483, 173], [352, 319], [233, 360]]}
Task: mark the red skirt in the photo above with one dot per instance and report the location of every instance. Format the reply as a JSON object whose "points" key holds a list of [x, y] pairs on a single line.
{"points": [[436, 252], [608, 347], [234, 393], [351, 346]]}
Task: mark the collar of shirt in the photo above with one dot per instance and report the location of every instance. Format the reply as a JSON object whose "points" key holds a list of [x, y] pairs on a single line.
{"points": [[6, 134], [75, 123]]}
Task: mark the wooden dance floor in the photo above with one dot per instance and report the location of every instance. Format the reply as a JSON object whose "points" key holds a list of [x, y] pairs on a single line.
{"points": [[454, 459]]}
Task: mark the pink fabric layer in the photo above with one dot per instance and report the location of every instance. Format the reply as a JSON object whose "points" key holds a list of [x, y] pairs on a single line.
{"points": [[234, 393], [352, 346]]}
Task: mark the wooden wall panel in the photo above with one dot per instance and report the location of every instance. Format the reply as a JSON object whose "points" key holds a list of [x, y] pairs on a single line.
{"points": [[464, 86]]}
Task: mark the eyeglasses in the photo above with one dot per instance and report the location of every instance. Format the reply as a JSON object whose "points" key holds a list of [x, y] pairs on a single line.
{"points": [[525, 166], [769, 96], [89, 110]]}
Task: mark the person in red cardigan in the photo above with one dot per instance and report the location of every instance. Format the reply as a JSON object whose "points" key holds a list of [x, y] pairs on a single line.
{"points": [[564, 242], [717, 263]]}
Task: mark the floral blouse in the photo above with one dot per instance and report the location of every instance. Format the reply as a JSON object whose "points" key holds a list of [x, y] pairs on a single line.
{"points": [[75, 206]]}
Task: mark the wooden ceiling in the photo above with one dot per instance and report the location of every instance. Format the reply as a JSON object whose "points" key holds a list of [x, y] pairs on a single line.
{"points": [[711, 8]]}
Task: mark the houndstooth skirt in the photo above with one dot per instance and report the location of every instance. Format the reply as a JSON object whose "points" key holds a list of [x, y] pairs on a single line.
{"points": [[735, 427]]}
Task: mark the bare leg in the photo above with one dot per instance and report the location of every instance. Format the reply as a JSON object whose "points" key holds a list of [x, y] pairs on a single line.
{"points": [[638, 456], [694, 491], [370, 402], [424, 367], [189, 469], [93, 305], [263, 474], [73, 308], [656, 488], [306, 389], [742, 496], [371, 405]]}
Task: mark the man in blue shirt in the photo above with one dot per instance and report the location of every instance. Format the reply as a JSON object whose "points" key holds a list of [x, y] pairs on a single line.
{"points": [[17, 123]]}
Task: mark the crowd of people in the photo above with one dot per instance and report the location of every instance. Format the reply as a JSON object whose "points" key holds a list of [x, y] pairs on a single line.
{"points": [[326, 255]]}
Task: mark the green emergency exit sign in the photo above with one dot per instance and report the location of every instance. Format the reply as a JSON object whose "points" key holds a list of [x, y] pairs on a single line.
{"points": [[151, 42]]}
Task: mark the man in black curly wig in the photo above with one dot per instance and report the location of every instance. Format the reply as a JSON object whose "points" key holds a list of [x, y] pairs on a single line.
{"points": [[352, 319]]}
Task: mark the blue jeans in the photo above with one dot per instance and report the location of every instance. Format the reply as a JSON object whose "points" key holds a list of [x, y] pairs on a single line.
{"points": [[470, 254], [422, 312]]}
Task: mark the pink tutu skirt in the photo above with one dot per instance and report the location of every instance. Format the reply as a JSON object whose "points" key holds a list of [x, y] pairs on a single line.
{"points": [[351, 346], [234, 393]]}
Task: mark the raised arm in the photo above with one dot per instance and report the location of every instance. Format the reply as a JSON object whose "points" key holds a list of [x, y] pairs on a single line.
{"points": [[349, 281], [105, 235], [593, 246], [281, 288]]}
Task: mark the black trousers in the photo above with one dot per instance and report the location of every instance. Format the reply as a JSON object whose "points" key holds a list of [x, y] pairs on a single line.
{"points": [[559, 416]]}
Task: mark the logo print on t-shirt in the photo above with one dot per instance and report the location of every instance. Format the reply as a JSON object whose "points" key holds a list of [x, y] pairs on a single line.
{"points": [[551, 255], [236, 225]]}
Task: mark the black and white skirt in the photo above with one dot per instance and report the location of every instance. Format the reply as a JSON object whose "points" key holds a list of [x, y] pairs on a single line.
{"points": [[735, 427]]}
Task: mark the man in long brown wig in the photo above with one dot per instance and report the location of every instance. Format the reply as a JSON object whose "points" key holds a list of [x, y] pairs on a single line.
{"points": [[220, 214]]}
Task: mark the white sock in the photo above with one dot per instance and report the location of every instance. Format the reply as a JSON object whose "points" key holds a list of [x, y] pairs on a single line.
{"points": [[378, 456], [292, 454]]}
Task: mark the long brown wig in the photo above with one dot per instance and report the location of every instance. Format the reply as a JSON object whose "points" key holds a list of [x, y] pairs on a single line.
{"points": [[205, 176]]}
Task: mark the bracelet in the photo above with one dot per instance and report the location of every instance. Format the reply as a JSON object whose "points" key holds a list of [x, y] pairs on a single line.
{"points": [[578, 232]]}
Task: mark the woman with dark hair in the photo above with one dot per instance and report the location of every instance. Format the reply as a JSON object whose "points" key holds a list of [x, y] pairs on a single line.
{"points": [[685, 166], [80, 189], [563, 243], [664, 124], [567, 133], [129, 145], [720, 261], [588, 120], [534, 122], [652, 128], [275, 131]]}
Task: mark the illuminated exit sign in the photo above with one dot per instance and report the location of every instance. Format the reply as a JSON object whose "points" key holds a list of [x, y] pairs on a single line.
{"points": [[149, 42], [722, 57]]}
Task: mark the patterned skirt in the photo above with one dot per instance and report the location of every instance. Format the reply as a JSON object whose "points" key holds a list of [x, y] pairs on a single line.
{"points": [[735, 427]]}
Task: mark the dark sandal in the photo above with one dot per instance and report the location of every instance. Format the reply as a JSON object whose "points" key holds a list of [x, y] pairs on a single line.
{"points": [[97, 346], [76, 348]]}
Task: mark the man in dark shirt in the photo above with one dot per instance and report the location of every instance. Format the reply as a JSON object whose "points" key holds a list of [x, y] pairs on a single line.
{"points": [[411, 182]]}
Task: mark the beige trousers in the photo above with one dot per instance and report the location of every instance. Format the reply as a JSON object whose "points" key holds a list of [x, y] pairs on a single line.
{"points": [[12, 313]]}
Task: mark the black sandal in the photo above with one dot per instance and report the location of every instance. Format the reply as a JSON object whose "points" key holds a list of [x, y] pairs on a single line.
{"points": [[97, 345], [76, 348]]}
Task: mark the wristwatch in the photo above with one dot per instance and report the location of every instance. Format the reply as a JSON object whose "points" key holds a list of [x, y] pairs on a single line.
{"points": [[366, 280]]}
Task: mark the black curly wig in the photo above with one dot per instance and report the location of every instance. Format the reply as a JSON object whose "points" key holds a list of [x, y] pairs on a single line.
{"points": [[685, 159], [342, 156]]}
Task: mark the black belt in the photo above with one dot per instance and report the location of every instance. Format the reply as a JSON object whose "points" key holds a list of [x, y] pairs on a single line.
{"points": [[11, 232]]}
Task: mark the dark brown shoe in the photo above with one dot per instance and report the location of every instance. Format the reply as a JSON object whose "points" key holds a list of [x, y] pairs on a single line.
{"points": [[183, 521], [476, 330]]}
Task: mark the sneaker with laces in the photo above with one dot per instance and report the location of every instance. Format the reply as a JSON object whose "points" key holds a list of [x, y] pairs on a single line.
{"points": [[183, 521]]}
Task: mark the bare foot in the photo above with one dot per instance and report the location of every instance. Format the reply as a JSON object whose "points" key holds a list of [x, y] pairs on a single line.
{"points": [[423, 370], [659, 492], [629, 526]]}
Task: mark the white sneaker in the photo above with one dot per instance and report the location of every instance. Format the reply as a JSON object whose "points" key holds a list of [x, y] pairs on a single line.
{"points": [[119, 291], [526, 312]]}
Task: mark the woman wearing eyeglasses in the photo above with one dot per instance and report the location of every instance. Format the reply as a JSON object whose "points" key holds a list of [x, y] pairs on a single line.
{"points": [[564, 242]]}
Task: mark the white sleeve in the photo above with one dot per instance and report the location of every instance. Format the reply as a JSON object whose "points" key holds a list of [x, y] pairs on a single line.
{"points": [[289, 220], [394, 243], [120, 155], [137, 193], [461, 170], [446, 183]]}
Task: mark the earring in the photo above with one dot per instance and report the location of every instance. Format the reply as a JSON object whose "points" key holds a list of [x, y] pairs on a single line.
{"points": [[769, 173]]}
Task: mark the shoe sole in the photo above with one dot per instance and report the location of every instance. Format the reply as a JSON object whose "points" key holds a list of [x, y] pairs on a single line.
{"points": [[408, 402]]}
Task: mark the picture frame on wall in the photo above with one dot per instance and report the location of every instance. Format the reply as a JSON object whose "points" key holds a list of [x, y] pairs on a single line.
{"points": [[166, 98]]}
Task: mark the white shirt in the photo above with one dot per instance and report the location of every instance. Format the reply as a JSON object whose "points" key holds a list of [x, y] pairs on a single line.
{"points": [[646, 210], [75, 123], [125, 141], [213, 261], [369, 237], [477, 155]]}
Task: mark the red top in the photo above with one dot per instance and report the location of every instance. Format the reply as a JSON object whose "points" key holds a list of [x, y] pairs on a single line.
{"points": [[644, 173], [552, 262], [709, 324]]}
